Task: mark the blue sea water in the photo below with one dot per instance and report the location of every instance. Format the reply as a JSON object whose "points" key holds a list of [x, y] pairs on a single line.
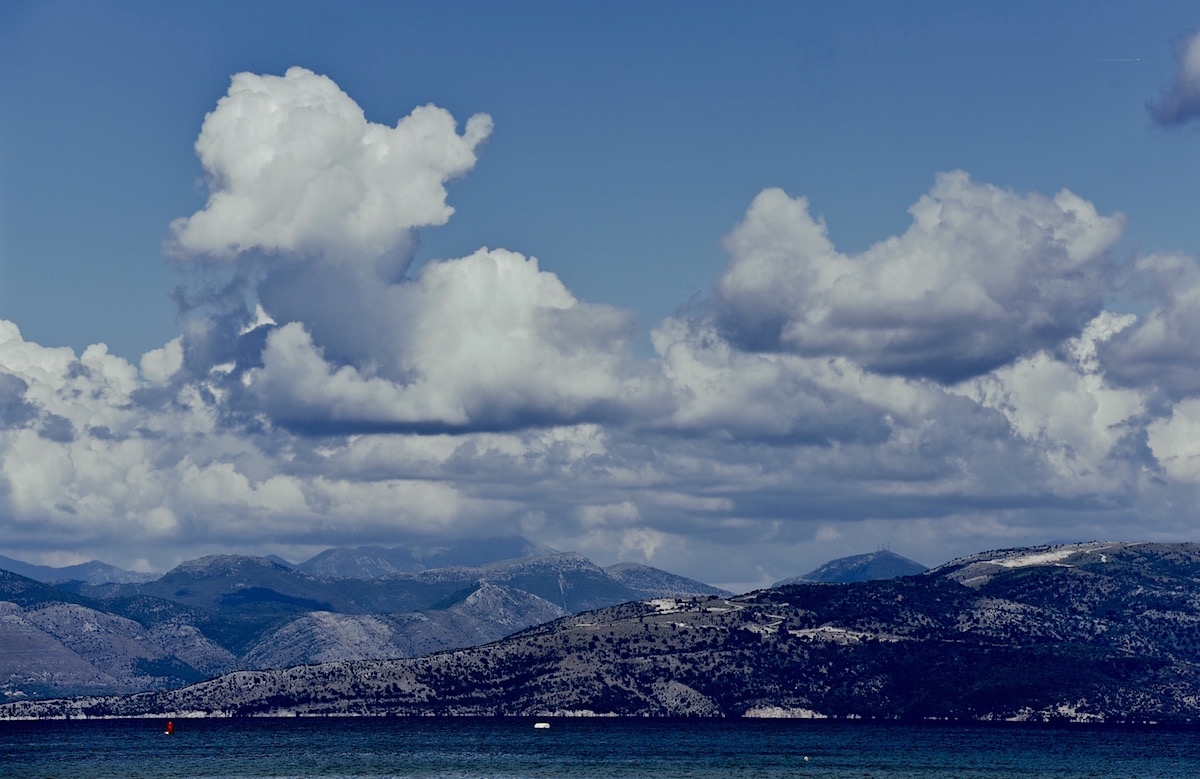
{"points": [[577, 749]]}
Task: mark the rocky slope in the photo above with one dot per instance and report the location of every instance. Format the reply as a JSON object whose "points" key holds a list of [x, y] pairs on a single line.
{"points": [[484, 614], [67, 646], [1100, 632]]}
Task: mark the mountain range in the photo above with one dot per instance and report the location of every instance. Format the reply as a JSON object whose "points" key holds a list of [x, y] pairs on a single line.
{"points": [[361, 562], [371, 562], [1098, 632], [223, 613]]}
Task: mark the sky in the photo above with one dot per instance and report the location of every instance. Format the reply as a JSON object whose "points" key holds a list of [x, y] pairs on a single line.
{"points": [[731, 290]]}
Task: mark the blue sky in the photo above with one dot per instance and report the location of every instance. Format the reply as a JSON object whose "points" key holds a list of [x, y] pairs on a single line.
{"points": [[628, 141]]}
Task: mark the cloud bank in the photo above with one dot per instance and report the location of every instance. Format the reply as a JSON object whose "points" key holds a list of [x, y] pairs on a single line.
{"points": [[964, 384]]}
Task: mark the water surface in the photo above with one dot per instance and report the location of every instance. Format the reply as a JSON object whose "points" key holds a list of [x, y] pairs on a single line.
{"points": [[583, 748]]}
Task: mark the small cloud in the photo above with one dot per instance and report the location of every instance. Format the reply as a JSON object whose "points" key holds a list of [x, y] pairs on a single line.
{"points": [[1181, 102]]}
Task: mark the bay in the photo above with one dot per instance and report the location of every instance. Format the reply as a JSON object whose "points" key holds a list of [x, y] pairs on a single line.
{"points": [[585, 748]]}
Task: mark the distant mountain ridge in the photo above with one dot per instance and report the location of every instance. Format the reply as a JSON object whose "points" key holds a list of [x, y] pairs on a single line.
{"points": [[224, 612], [370, 562], [1101, 632], [872, 566], [93, 572]]}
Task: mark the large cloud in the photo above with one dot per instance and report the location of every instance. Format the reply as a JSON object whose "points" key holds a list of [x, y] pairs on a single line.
{"points": [[316, 205], [983, 276], [294, 166], [1181, 101]]}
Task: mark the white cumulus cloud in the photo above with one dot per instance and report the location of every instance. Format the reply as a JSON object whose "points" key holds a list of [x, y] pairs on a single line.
{"points": [[982, 277], [294, 166], [485, 341]]}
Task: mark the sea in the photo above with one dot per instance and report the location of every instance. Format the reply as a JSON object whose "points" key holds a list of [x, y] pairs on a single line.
{"points": [[585, 748]]}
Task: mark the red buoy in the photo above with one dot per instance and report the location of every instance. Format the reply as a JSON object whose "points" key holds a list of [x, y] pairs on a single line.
{"points": [[170, 731]]}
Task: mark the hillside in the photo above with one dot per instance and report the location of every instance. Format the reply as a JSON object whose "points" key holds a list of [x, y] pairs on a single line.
{"points": [[1090, 632], [53, 641]]}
